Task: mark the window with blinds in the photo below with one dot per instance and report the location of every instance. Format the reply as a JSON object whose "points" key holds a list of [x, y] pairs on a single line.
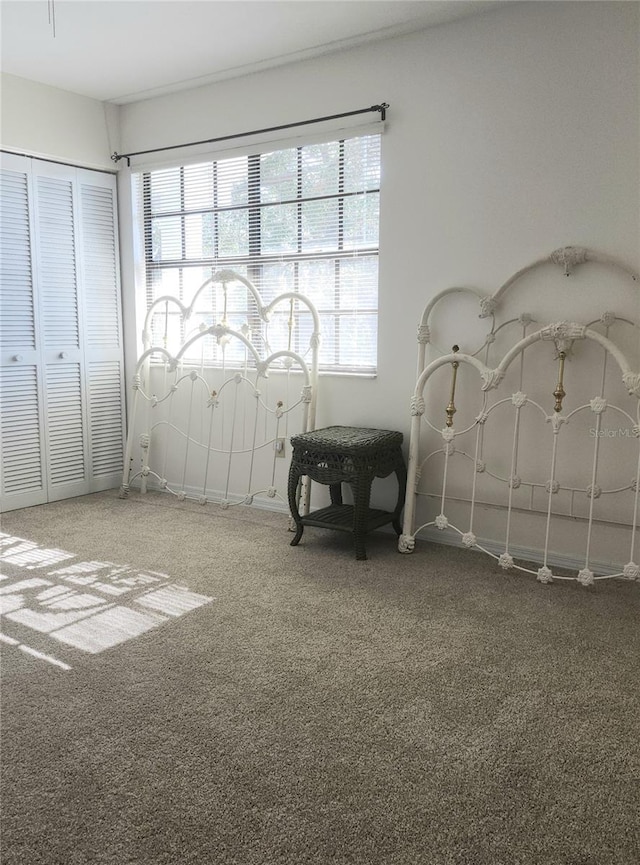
{"points": [[299, 219]]}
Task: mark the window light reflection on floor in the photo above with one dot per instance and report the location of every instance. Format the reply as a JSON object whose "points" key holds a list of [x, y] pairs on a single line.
{"points": [[76, 605]]}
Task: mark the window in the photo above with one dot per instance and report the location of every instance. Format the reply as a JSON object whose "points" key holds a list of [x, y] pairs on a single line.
{"points": [[300, 219]]}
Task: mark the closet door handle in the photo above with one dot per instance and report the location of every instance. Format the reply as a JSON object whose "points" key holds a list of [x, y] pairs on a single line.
{"points": [[18, 357], [63, 355]]}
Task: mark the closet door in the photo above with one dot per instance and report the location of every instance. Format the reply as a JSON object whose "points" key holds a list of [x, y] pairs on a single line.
{"points": [[102, 330], [56, 216], [23, 470], [62, 398]]}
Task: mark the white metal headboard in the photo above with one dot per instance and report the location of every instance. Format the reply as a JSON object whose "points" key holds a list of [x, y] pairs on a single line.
{"points": [[219, 388], [541, 469]]}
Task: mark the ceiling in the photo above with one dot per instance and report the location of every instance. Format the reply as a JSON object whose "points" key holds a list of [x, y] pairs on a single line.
{"points": [[125, 50]]}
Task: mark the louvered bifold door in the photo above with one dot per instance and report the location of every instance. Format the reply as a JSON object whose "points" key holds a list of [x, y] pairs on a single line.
{"points": [[61, 368], [102, 331], [22, 451], [55, 209]]}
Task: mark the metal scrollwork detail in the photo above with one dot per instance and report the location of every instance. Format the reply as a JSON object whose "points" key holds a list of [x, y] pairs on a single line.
{"points": [[569, 257], [632, 382], [406, 543], [417, 406], [585, 577], [544, 575], [491, 378], [563, 333], [424, 334], [631, 571], [506, 561], [487, 307], [469, 539], [556, 421]]}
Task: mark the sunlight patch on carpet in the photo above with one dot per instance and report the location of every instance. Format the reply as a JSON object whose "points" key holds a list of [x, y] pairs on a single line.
{"points": [[85, 605]]}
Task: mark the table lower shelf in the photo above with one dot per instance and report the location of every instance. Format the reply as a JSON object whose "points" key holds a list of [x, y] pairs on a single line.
{"points": [[340, 517]]}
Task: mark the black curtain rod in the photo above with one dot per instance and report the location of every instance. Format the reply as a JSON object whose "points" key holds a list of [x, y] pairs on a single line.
{"points": [[382, 109], [21, 153]]}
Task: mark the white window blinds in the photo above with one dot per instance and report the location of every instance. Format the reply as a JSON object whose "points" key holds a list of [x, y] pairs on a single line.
{"points": [[304, 218]]}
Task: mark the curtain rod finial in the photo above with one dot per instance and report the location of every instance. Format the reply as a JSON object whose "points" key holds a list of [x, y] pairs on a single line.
{"points": [[116, 157]]}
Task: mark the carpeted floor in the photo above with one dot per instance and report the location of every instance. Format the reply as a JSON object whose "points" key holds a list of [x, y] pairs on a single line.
{"points": [[185, 687]]}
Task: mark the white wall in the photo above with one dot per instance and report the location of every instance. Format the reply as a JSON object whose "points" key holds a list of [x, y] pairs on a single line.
{"points": [[44, 121], [510, 133]]}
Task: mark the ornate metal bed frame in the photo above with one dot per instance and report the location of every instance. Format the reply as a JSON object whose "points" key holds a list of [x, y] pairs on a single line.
{"points": [[210, 420], [542, 470]]}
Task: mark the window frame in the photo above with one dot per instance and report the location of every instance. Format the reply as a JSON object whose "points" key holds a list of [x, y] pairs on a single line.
{"points": [[255, 260]]}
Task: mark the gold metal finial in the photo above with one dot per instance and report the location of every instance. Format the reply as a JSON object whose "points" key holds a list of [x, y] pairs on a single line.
{"points": [[451, 408], [560, 393]]}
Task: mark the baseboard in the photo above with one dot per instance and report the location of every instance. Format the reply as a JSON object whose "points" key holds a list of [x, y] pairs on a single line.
{"points": [[217, 498], [523, 554]]}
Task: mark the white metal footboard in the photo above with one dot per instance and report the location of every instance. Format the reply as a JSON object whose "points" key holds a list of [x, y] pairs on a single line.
{"points": [[211, 420], [541, 469]]}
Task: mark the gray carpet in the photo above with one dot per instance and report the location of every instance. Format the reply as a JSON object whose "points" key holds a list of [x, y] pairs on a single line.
{"points": [[262, 704]]}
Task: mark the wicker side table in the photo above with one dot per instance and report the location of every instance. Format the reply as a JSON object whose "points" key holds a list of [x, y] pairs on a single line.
{"points": [[353, 455]]}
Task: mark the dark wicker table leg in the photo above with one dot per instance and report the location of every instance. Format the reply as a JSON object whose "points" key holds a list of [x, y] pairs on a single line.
{"points": [[401, 475], [361, 495], [292, 492], [335, 491]]}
